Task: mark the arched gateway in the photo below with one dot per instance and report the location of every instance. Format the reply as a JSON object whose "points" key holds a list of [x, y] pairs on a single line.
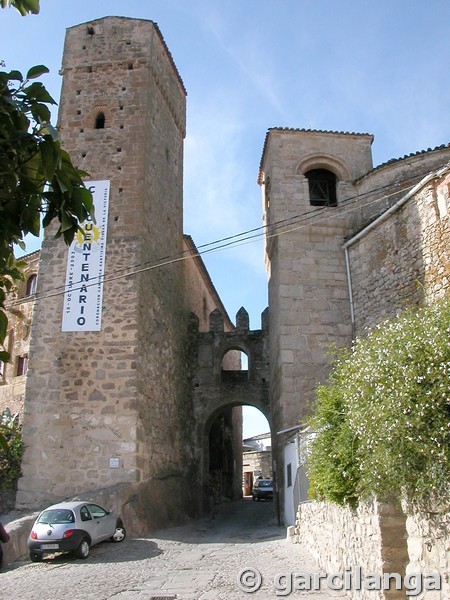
{"points": [[218, 391]]}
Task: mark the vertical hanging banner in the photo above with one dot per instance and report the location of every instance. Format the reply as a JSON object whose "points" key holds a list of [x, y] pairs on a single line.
{"points": [[83, 297]]}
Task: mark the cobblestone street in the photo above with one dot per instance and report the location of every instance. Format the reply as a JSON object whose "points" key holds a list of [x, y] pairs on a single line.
{"points": [[198, 561]]}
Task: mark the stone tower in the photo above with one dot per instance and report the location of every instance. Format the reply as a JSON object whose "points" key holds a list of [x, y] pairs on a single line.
{"points": [[113, 403], [308, 184]]}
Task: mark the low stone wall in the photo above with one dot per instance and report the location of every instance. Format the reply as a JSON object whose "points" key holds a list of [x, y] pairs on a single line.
{"points": [[18, 525], [429, 547], [338, 538], [380, 539]]}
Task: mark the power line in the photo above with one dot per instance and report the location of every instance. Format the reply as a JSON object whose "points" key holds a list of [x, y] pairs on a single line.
{"points": [[275, 229]]}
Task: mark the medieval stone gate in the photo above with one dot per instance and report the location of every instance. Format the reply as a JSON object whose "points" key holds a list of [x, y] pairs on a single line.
{"points": [[217, 390]]}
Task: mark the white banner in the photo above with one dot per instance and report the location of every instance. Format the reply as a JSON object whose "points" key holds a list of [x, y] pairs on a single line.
{"points": [[82, 309]]}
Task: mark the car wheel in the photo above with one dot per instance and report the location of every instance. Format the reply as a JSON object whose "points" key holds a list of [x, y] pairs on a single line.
{"points": [[119, 534], [83, 549], [36, 556]]}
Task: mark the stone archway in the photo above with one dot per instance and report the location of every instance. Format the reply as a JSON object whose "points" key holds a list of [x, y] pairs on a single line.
{"points": [[217, 392]]}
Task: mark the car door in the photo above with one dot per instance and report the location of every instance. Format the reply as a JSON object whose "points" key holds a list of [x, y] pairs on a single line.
{"points": [[87, 522], [103, 526]]}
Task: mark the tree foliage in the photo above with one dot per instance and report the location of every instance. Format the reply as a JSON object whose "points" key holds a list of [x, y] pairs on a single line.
{"points": [[383, 420], [11, 449], [38, 182], [23, 6]]}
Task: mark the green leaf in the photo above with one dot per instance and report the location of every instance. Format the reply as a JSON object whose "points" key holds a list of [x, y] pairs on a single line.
{"points": [[49, 155], [3, 326], [32, 6], [4, 356], [41, 113], [4, 443], [49, 129], [23, 6], [37, 91], [15, 76], [37, 71]]}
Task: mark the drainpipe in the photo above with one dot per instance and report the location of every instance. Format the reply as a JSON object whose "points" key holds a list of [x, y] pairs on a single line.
{"points": [[350, 289]]}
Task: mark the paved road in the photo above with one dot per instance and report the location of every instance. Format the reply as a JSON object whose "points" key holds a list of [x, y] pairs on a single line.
{"points": [[198, 561]]}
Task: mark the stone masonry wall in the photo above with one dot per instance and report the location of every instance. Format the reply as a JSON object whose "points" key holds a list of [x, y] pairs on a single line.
{"points": [[378, 538], [118, 393], [309, 308], [429, 546], [409, 264], [373, 537], [20, 305], [409, 257]]}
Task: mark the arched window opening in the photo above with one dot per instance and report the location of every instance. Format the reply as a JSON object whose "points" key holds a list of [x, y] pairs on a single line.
{"points": [[234, 365], [322, 187], [22, 364], [31, 285], [100, 121]]}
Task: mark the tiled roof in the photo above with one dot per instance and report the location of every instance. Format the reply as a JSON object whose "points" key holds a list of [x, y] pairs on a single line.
{"points": [[418, 153], [392, 160], [294, 129], [30, 255]]}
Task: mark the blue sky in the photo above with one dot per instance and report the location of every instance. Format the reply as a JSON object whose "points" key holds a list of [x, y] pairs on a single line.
{"points": [[346, 65]]}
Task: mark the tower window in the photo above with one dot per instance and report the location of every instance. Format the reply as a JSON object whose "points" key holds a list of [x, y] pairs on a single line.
{"points": [[22, 364], [31, 285], [322, 187], [100, 121]]}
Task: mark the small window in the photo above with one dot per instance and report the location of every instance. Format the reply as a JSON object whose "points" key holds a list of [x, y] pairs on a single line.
{"points": [[22, 364], [56, 516], [289, 475], [322, 187], [31, 285], [97, 511], [100, 121], [85, 515]]}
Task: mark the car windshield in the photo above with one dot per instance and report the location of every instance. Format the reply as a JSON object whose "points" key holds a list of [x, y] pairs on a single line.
{"points": [[265, 484], [56, 516]]}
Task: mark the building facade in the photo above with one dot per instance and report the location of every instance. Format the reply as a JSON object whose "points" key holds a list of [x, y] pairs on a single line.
{"points": [[116, 404], [347, 245], [148, 406]]}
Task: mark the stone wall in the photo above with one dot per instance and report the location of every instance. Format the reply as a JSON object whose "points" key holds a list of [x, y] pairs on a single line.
{"points": [[309, 308], [121, 393], [258, 462], [429, 546], [380, 539], [409, 256], [201, 296], [409, 265], [20, 305]]}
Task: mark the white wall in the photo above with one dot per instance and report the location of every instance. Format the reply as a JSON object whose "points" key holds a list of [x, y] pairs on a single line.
{"points": [[290, 457]]}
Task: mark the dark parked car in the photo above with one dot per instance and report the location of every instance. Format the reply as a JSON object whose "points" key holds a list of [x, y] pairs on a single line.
{"points": [[73, 527], [263, 489]]}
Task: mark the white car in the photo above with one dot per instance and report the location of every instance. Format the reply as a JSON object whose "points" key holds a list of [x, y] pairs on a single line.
{"points": [[73, 527]]}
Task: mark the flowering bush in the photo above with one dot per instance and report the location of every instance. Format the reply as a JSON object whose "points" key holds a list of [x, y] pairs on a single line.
{"points": [[383, 420]]}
